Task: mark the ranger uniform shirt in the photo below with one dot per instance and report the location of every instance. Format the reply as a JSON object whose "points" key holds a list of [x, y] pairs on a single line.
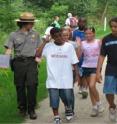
{"points": [[23, 43]]}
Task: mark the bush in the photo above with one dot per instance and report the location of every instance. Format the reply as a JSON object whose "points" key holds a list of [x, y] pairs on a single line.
{"points": [[3, 37], [57, 10]]}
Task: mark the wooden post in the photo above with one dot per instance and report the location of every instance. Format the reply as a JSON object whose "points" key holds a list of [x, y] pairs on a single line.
{"points": [[105, 23]]}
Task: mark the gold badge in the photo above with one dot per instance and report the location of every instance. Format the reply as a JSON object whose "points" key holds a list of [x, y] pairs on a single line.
{"points": [[33, 37]]}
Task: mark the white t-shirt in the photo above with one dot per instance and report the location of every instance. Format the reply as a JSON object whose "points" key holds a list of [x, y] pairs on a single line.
{"points": [[67, 21], [59, 65], [47, 32]]}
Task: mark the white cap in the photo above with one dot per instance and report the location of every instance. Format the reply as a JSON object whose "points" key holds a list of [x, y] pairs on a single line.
{"points": [[69, 14]]}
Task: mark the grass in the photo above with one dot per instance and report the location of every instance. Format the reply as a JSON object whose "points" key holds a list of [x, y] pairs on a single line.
{"points": [[100, 33], [42, 91], [8, 111], [2, 41]]}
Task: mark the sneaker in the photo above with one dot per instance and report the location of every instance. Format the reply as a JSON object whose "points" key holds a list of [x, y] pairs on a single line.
{"points": [[112, 114], [84, 94], [69, 117], [80, 90], [69, 114], [100, 108], [94, 112], [57, 120]]}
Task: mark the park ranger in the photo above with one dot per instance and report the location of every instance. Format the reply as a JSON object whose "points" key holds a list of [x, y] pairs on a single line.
{"points": [[25, 41]]}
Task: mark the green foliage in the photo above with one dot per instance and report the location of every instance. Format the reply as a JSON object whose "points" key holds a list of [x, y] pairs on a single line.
{"points": [[41, 25], [46, 19], [6, 15], [45, 10], [58, 10], [3, 36], [100, 33], [42, 91], [8, 111], [43, 4]]}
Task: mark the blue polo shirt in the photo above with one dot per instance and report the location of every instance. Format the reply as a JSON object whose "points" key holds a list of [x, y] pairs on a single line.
{"points": [[81, 35], [78, 33]]}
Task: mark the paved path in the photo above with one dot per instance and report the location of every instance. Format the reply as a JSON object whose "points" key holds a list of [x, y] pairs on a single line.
{"points": [[82, 111]]}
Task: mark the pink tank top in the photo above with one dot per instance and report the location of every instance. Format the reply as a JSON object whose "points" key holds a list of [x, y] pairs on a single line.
{"points": [[91, 53]]}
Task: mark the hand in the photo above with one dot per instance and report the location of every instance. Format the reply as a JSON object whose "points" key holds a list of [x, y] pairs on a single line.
{"points": [[78, 41], [8, 52], [38, 60], [77, 78], [46, 39], [99, 77]]}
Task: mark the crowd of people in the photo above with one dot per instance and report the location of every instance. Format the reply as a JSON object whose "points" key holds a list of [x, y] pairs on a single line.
{"points": [[73, 55]]}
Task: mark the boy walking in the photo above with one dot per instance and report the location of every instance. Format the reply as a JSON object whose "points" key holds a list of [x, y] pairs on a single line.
{"points": [[109, 49], [59, 69]]}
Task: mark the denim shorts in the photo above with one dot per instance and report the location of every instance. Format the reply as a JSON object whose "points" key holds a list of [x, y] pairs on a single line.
{"points": [[88, 71], [66, 95], [80, 70], [110, 84], [79, 65]]}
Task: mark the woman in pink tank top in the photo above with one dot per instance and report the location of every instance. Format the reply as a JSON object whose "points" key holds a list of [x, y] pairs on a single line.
{"points": [[90, 48]]}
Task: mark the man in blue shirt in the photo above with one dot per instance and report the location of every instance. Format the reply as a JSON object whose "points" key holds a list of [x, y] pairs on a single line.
{"points": [[79, 33]]}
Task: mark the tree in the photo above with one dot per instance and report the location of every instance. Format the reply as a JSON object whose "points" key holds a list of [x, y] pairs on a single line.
{"points": [[43, 4], [9, 11]]}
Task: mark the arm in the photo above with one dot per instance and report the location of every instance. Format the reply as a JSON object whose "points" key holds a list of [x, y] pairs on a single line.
{"points": [[8, 51], [77, 75], [74, 61], [40, 48], [99, 68], [101, 60], [9, 44], [79, 49]]}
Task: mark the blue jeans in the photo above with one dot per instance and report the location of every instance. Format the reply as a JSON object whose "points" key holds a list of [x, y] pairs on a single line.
{"points": [[110, 84], [66, 95]]}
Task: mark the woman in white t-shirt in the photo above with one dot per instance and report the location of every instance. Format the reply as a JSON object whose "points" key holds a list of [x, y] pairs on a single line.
{"points": [[90, 48]]}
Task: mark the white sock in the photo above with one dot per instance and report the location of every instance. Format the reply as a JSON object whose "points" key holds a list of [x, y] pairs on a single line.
{"points": [[56, 116], [95, 107], [98, 103]]}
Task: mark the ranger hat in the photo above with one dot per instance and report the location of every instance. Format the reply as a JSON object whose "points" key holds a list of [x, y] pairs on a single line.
{"points": [[26, 17]]}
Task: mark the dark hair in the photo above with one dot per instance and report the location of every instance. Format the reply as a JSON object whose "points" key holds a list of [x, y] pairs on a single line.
{"points": [[92, 29], [56, 17], [22, 24], [83, 19], [114, 19], [54, 31], [53, 25], [82, 22]]}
